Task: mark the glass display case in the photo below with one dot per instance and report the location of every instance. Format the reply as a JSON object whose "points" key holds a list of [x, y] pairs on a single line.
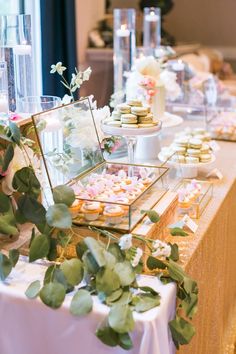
{"points": [[108, 194], [193, 197], [221, 123]]}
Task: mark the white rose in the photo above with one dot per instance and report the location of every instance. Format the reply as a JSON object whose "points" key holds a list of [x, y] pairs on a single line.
{"points": [[162, 249], [125, 242], [148, 66]]}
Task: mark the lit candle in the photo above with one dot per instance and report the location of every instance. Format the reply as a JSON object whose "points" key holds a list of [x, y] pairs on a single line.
{"points": [[3, 104], [123, 31], [152, 17], [22, 49]]}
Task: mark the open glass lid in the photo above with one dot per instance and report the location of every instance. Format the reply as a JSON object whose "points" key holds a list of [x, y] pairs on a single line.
{"points": [[68, 141]]}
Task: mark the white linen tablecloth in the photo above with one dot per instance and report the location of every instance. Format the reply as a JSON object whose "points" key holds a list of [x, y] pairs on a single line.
{"points": [[30, 327]]}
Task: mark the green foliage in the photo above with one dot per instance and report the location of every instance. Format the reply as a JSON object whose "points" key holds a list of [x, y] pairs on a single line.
{"points": [[121, 319], [152, 215], [31, 209], [14, 256], [5, 266], [25, 181], [53, 295], [82, 303], [63, 195], [59, 216], [182, 331], [154, 263], [33, 290], [73, 271], [39, 248], [177, 231], [8, 156]]}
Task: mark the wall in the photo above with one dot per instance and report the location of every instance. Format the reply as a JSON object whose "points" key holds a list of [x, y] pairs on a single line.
{"points": [[210, 22], [88, 12]]}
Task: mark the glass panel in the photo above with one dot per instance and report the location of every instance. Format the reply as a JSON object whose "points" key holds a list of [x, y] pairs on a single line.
{"points": [[68, 141], [9, 7]]}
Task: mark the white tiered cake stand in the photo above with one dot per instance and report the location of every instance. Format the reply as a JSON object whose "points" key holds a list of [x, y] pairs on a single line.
{"points": [[130, 135]]}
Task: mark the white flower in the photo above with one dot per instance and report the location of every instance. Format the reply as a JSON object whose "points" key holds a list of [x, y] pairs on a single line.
{"points": [[76, 81], [57, 68], [162, 249], [169, 81], [148, 66], [20, 160], [66, 99], [87, 73], [135, 260], [125, 242]]}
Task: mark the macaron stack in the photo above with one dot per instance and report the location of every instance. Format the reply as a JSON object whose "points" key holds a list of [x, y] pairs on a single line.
{"points": [[132, 114], [189, 147]]}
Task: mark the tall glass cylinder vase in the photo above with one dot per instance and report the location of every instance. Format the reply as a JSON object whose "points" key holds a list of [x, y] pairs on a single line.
{"points": [[124, 46], [3, 88], [151, 28], [15, 41]]}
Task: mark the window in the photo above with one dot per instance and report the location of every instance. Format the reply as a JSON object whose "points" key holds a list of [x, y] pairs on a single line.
{"points": [[11, 7]]}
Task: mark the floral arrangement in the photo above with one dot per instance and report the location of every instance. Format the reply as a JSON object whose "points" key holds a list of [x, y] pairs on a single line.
{"points": [[109, 144], [106, 265], [148, 75]]}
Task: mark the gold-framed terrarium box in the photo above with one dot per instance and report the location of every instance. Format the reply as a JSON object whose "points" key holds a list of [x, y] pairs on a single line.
{"points": [[108, 194]]}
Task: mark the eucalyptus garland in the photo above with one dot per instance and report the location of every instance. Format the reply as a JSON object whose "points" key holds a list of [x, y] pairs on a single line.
{"points": [[106, 266]]}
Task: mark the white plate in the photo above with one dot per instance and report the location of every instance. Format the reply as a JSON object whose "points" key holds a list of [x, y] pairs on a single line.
{"points": [[108, 129], [171, 120]]}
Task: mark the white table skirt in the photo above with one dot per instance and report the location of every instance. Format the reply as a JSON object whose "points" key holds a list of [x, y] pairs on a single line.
{"points": [[30, 327]]}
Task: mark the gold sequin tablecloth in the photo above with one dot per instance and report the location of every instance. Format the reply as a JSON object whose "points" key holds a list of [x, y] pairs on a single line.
{"points": [[210, 257]]}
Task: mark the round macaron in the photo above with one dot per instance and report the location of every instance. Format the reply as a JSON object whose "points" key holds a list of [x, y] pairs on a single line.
{"points": [[128, 118], [123, 108], [191, 159], [134, 102], [195, 143], [205, 157], [139, 111], [115, 115], [193, 152]]}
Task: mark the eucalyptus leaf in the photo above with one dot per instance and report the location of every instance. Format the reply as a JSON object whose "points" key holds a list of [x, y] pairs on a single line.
{"points": [[63, 238], [190, 306], [174, 252], [15, 132], [58, 215], [146, 302], [177, 231], [107, 281], [39, 248], [4, 203], [33, 290], [25, 181], [63, 195], [116, 251], [125, 298], [125, 272], [73, 270], [147, 289], [8, 156], [31, 209], [152, 215], [14, 256], [5, 266], [181, 330], [125, 341], [175, 271], [110, 259], [53, 295], [48, 276], [113, 297], [154, 263], [8, 224], [90, 263], [121, 319], [81, 248], [96, 249], [108, 336], [82, 303], [52, 254]]}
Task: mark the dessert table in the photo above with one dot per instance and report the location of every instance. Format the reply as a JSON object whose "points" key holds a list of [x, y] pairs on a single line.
{"points": [[32, 328], [208, 256]]}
